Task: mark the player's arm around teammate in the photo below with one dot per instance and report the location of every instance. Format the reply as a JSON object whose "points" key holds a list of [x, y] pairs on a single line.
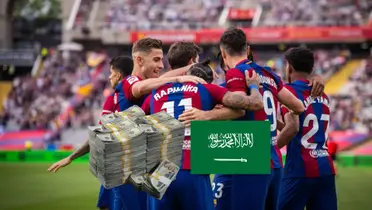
{"points": [[290, 129], [317, 82], [231, 100], [144, 87], [242, 101]]}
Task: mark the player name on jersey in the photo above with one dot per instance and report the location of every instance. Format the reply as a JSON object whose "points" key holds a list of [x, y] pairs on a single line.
{"points": [[268, 81], [264, 80], [184, 88], [311, 100]]}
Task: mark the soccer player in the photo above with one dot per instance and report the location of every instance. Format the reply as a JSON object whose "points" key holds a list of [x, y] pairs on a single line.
{"points": [[309, 175], [147, 58], [120, 67], [252, 191], [194, 191], [181, 54]]}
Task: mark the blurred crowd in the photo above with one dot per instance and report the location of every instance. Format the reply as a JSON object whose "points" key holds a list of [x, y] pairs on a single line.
{"points": [[315, 12], [353, 108], [36, 102], [163, 14], [195, 14], [84, 11]]}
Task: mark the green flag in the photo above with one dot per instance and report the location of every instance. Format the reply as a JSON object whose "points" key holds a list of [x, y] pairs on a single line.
{"points": [[230, 147]]}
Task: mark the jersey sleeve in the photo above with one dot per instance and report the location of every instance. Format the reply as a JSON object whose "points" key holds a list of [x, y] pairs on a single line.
{"points": [[279, 83], [284, 110], [128, 85], [146, 105], [216, 92], [235, 81], [108, 106]]}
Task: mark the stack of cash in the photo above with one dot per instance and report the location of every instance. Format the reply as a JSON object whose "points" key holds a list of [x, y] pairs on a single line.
{"points": [[118, 149], [131, 148], [157, 183], [165, 137]]}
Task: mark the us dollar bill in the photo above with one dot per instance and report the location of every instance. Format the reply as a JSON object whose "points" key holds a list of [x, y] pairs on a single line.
{"points": [[158, 181], [148, 129], [135, 111], [158, 117]]}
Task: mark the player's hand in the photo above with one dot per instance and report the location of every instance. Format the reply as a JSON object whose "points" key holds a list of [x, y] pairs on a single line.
{"points": [[253, 80], [62, 163], [192, 114], [318, 85], [189, 78]]}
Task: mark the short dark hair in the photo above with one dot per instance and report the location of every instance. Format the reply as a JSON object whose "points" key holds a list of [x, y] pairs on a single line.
{"points": [[123, 65], [301, 59], [146, 45], [180, 53], [202, 70], [234, 41]]}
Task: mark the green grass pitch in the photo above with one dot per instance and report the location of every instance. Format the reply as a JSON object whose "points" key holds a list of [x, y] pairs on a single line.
{"points": [[29, 186]]}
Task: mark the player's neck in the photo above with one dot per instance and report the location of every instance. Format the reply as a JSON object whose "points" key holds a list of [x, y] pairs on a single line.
{"points": [[137, 72], [235, 60], [299, 76]]}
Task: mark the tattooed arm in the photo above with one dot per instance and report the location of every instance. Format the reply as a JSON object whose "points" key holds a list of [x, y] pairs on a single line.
{"points": [[239, 100]]}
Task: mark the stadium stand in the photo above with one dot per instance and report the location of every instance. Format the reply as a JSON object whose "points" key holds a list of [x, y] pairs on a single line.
{"points": [[163, 14], [34, 103], [82, 15], [315, 13]]}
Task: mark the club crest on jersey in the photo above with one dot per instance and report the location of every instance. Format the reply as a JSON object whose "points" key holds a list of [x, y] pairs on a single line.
{"points": [[132, 79], [183, 88], [318, 153]]}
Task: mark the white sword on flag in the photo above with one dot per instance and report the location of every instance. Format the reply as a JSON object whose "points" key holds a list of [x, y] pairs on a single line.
{"points": [[243, 160]]}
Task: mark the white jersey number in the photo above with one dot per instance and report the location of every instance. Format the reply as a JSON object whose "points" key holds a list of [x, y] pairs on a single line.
{"points": [[270, 112], [219, 192], [169, 107], [305, 139]]}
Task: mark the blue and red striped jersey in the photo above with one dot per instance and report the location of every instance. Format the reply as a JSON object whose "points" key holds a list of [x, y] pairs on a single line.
{"points": [[110, 105], [271, 85], [123, 90], [307, 152], [175, 98]]}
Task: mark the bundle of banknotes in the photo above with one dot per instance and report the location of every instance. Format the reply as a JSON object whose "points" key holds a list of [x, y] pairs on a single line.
{"points": [[165, 136], [117, 148], [131, 148]]}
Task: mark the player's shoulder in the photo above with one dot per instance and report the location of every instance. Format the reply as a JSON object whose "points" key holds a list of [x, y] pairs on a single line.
{"points": [[132, 79], [271, 73], [234, 72]]}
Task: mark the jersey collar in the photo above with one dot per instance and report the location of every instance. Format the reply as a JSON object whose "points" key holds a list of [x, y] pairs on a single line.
{"points": [[302, 81], [245, 61]]}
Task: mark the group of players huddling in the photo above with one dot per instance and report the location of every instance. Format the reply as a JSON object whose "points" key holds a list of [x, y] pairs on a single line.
{"points": [[298, 112]]}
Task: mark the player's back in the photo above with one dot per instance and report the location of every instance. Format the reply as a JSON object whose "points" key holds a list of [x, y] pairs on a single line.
{"points": [[271, 85], [307, 153], [174, 98]]}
